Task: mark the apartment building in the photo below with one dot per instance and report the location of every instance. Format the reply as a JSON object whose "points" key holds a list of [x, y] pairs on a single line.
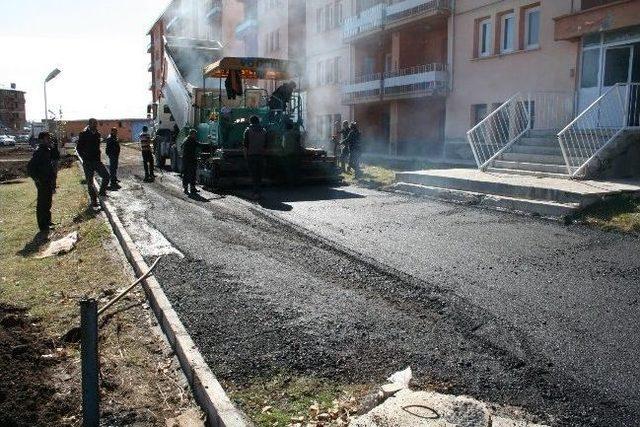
{"points": [[246, 32], [327, 69], [399, 78], [12, 108]]}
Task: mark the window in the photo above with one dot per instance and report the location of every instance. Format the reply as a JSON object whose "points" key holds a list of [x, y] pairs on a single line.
{"points": [[532, 28], [484, 37], [327, 17], [337, 14], [590, 65], [478, 113], [508, 28]]}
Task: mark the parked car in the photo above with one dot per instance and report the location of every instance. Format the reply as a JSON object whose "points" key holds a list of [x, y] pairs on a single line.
{"points": [[6, 140]]}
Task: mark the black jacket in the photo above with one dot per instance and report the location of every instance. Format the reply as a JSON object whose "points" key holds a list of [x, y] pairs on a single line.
{"points": [[89, 145], [113, 146], [189, 157], [280, 97], [40, 167], [353, 140]]}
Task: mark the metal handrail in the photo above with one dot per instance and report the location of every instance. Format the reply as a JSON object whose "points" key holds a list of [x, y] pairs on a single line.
{"points": [[597, 127], [495, 133], [416, 70]]}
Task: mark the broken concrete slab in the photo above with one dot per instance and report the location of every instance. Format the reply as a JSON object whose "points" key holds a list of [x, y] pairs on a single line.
{"points": [[430, 409]]}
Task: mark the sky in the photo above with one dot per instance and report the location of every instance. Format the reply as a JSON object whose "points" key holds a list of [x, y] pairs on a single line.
{"points": [[100, 46]]}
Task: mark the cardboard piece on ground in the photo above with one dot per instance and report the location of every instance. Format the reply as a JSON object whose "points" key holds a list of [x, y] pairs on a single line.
{"points": [[61, 246]]}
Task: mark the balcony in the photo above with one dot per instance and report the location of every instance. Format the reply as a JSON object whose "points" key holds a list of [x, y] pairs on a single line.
{"points": [[422, 80], [246, 26], [362, 89], [400, 13], [410, 10], [149, 47], [606, 17], [364, 23]]}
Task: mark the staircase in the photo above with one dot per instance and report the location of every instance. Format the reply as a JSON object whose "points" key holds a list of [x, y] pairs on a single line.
{"points": [[536, 153]]}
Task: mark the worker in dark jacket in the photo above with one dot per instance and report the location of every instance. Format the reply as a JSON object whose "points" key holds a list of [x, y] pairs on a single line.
{"points": [[40, 168], [353, 142], [280, 98], [112, 151], [88, 149], [189, 162], [344, 147], [255, 143], [55, 160], [146, 147]]}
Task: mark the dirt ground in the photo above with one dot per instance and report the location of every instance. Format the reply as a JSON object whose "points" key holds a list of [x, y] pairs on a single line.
{"points": [[141, 383]]}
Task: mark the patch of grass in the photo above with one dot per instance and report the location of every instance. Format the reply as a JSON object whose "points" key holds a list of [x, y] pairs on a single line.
{"points": [[289, 397], [372, 177], [50, 288], [619, 213]]}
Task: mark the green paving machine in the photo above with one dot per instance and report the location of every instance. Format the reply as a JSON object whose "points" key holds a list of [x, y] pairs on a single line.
{"points": [[221, 122]]}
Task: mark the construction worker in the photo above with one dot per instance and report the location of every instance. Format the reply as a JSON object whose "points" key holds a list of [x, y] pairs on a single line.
{"points": [[255, 142], [147, 154], [353, 142], [88, 149], [112, 151], [189, 162], [55, 160], [40, 169], [344, 146], [280, 98], [291, 147]]}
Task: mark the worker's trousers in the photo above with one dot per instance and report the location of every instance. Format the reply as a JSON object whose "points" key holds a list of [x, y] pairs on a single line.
{"points": [[90, 169], [43, 205]]}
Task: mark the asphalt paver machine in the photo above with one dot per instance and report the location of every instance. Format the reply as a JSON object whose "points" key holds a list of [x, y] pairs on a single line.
{"points": [[221, 123]]}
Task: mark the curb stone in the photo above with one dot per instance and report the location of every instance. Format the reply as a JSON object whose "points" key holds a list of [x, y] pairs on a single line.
{"points": [[208, 392]]}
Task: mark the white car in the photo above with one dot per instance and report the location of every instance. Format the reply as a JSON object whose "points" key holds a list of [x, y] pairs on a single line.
{"points": [[6, 140]]}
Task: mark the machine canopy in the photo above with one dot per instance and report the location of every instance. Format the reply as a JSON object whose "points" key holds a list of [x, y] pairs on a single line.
{"points": [[252, 68]]}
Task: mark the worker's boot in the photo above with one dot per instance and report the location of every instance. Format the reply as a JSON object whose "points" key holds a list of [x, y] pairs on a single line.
{"points": [[186, 190], [193, 190]]}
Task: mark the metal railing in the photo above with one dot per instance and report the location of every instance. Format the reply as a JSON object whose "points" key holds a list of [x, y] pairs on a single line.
{"points": [[408, 8], [550, 110], [365, 21], [599, 125], [418, 69], [499, 130]]}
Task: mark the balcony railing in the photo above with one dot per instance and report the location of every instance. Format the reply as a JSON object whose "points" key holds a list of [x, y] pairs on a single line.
{"points": [[409, 8], [380, 15], [245, 26], [366, 21], [150, 47], [422, 78], [426, 79]]}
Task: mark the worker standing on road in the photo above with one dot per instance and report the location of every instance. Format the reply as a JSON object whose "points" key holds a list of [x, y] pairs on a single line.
{"points": [[189, 162], [353, 142], [344, 146], [40, 169], [147, 154], [255, 142], [291, 147], [113, 152], [88, 149]]}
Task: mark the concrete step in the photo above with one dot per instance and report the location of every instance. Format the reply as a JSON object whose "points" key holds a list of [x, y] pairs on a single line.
{"points": [[526, 172], [515, 187], [549, 150], [547, 133], [543, 208], [539, 141], [530, 167], [532, 158]]}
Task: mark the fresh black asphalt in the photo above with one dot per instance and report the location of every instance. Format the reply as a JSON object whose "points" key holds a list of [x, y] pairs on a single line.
{"points": [[507, 309]]}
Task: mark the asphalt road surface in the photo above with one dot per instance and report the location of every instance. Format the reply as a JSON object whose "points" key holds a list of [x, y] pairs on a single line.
{"points": [[353, 284]]}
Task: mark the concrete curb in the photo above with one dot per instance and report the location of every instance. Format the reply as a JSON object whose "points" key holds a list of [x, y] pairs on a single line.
{"points": [[207, 390]]}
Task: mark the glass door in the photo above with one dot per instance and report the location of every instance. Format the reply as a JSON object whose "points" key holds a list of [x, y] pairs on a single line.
{"points": [[617, 69]]}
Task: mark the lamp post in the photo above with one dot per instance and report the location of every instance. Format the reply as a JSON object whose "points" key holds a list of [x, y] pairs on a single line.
{"points": [[50, 77]]}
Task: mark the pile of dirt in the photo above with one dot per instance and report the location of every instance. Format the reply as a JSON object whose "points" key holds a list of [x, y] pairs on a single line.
{"points": [[27, 393]]}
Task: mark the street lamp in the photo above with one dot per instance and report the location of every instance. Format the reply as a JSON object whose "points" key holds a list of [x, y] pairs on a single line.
{"points": [[52, 75]]}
